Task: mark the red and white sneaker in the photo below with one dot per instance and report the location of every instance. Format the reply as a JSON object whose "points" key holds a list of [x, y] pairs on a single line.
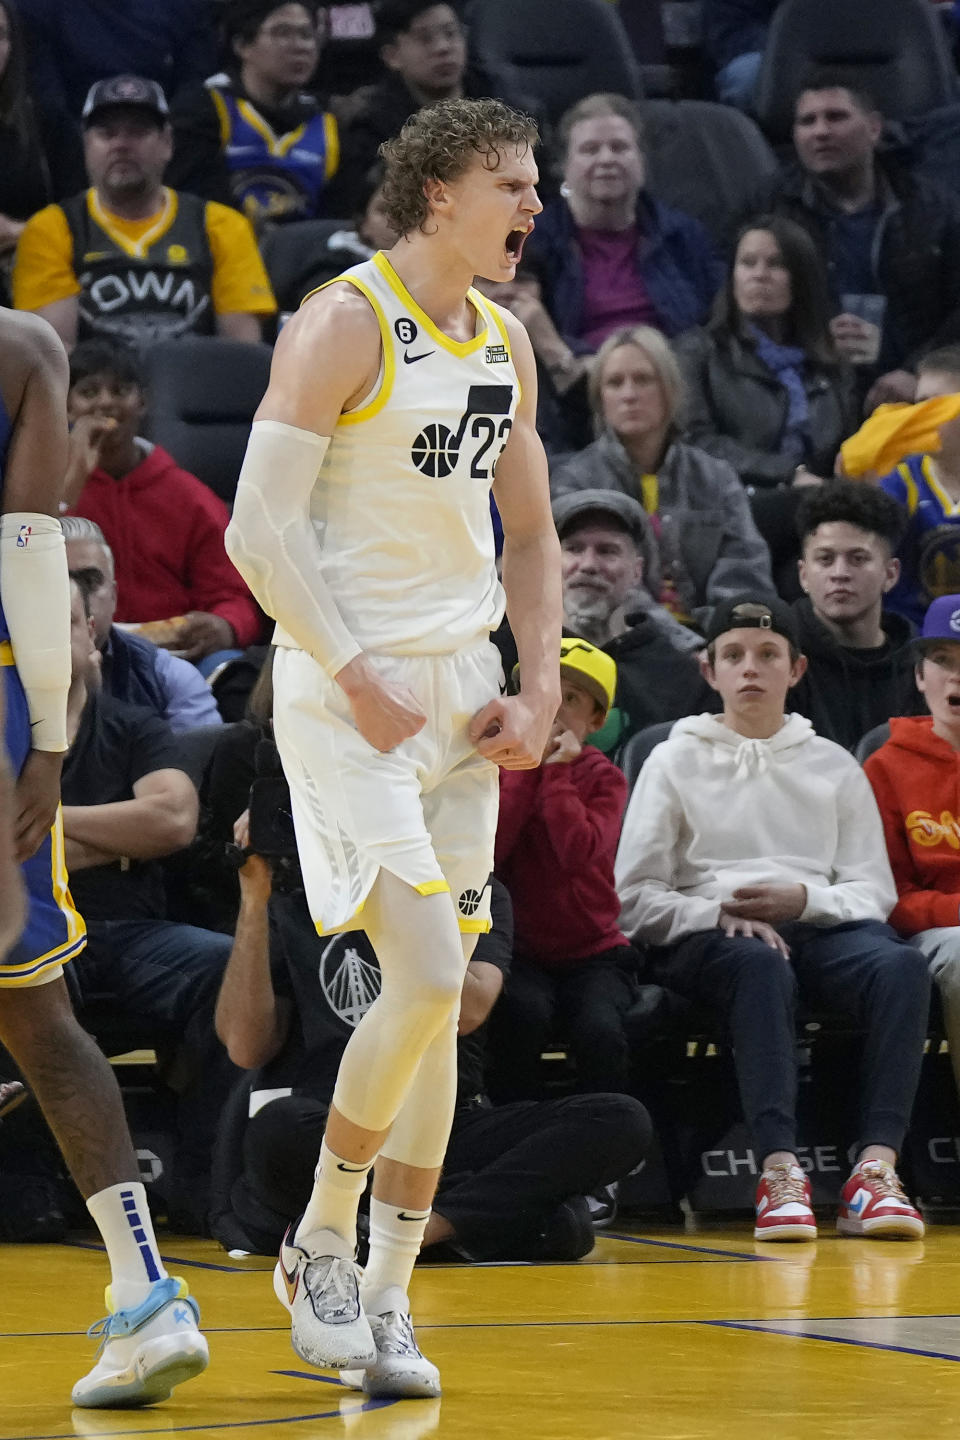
{"points": [[873, 1202], [784, 1211]]}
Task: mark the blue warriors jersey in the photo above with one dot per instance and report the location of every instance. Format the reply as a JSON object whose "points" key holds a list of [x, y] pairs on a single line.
{"points": [[275, 177], [54, 932], [930, 552]]}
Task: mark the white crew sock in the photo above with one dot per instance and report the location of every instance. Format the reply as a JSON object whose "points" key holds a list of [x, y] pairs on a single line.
{"points": [[396, 1234], [332, 1208], [123, 1219]]}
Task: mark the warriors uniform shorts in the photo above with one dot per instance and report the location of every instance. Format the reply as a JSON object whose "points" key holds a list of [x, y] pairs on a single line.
{"points": [[426, 811], [54, 931]]}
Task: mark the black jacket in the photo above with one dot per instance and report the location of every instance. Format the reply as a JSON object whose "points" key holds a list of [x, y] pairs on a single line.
{"points": [[735, 407], [655, 680], [847, 692], [916, 253]]}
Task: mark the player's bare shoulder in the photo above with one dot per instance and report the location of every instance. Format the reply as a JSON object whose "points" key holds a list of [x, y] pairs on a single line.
{"points": [[326, 357]]}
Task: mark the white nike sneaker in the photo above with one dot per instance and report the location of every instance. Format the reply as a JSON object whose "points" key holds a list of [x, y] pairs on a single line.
{"points": [[322, 1293], [145, 1351], [401, 1370]]}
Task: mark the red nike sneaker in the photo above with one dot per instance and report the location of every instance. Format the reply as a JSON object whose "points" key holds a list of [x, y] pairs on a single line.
{"points": [[784, 1211]]}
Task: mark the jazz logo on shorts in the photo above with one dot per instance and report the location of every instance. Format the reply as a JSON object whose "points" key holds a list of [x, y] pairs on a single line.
{"points": [[23, 536], [469, 902]]}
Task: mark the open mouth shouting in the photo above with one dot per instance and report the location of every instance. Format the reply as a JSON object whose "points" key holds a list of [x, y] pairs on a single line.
{"points": [[516, 238]]}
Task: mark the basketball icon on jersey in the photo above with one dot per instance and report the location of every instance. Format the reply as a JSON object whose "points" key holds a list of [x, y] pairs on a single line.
{"points": [[469, 902], [436, 450]]}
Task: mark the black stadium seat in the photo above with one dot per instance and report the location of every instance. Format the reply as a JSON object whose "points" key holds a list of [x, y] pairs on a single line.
{"points": [[635, 753], [202, 395], [297, 259], [709, 160], [561, 50], [896, 48]]}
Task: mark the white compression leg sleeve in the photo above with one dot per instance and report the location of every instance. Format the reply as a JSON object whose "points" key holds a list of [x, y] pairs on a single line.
{"points": [[35, 591], [421, 968], [420, 1133], [272, 542]]}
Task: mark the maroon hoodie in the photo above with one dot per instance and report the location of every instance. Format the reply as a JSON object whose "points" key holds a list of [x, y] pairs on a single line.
{"points": [[556, 843], [165, 528]]}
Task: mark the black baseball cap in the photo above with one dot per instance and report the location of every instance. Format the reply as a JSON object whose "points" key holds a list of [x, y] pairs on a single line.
{"points": [[750, 611], [125, 92]]}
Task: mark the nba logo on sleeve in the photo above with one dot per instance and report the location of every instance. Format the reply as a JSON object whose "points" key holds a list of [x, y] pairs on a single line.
{"points": [[23, 536]]}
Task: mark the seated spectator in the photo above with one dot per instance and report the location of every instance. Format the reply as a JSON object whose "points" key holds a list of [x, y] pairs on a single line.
{"points": [[573, 974], [130, 259], [609, 255], [255, 136], [24, 174], [607, 548], [913, 775], [71, 47], [890, 238], [764, 387], [127, 804], [752, 863], [514, 1176], [707, 543], [163, 525], [860, 656], [132, 668], [423, 45], [927, 487], [734, 37]]}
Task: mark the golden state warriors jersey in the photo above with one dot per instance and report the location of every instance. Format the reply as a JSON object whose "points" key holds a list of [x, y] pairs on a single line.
{"points": [[401, 505]]}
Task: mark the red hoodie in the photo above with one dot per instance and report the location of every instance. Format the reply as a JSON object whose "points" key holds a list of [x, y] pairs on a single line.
{"points": [[556, 843], [165, 528], [916, 779]]}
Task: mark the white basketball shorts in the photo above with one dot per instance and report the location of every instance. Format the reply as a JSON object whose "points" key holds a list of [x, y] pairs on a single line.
{"points": [[426, 811]]}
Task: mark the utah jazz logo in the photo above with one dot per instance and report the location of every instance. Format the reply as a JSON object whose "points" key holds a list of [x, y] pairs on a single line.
{"points": [[436, 450], [469, 902]]}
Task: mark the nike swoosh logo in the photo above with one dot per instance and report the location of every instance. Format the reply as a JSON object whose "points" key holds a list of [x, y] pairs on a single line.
{"points": [[402, 1216], [412, 359], [291, 1280], [351, 1169]]}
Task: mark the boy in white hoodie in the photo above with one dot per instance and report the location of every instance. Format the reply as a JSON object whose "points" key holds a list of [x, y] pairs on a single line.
{"points": [[752, 862]]}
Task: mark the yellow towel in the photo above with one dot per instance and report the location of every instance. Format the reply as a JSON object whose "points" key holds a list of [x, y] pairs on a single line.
{"points": [[895, 431]]}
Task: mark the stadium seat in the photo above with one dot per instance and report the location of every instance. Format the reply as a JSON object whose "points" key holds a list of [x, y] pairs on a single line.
{"points": [[633, 756], [297, 260], [561, 50], [873, 739], [203, 393], [709, 160], [896, 48]]}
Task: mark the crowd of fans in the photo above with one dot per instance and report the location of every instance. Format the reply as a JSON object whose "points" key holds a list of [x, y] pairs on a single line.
{"points": [[758, 438]]}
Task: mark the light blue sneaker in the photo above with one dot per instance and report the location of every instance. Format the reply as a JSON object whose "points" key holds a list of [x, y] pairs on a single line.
{"points": [[145, 1351]]}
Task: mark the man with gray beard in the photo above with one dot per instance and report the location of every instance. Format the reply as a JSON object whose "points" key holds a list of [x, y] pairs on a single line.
{"points": [[607, 553]]}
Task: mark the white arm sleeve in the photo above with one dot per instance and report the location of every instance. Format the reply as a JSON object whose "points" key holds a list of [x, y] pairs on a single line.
{"points": [[35, 594], [272, 542]]}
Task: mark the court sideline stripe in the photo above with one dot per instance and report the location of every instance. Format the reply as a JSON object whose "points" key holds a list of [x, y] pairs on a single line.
{"points": [[764, 1329], [698, 1249]]}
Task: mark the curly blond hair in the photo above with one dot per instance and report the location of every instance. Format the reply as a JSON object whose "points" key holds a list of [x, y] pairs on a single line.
{"points": [[438, 143]]}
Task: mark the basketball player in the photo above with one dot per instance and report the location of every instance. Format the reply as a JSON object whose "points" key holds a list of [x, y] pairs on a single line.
{"points": [[398, 396], [150, 1340]]}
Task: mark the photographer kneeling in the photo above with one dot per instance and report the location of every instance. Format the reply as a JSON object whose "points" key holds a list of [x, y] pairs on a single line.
{"points": [[515, 1176]]}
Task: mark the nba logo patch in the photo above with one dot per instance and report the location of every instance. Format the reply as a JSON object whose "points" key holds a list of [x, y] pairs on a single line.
{"points": [[23, 536]]}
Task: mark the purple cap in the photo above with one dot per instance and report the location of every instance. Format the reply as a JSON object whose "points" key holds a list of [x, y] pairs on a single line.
{"points": [[942, 620]]}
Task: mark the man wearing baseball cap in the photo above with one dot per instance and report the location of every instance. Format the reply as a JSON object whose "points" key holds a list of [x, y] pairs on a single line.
{"points": [[609, 561], [130, 259], [916, 781], [752, 862], [556, 842]]}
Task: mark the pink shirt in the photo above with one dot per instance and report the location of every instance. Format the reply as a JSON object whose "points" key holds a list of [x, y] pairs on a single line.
{"points": [[614, 295]]}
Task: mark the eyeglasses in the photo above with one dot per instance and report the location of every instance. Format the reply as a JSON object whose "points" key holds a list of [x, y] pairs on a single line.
{"points": [[290, 34]]}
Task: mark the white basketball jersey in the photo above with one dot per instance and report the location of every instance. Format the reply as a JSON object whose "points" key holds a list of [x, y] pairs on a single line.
{"points": [[401, 505]]}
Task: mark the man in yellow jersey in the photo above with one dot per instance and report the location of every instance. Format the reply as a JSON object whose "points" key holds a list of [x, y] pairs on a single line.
{"points": [[398, 397], [129, 258], [150, 1340]]}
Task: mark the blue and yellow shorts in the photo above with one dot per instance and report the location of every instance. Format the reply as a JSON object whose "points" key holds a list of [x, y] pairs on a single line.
{"points": [[54, 931]]}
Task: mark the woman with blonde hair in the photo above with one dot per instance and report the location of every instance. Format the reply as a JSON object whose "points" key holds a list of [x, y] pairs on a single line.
{"points": [[709, 548]]}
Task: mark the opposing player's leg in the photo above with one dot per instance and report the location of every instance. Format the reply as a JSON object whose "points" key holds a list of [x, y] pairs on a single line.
{"points": [[149, 1340]]}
